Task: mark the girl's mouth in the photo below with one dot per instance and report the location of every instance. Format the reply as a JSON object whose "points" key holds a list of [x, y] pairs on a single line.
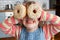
{"points": [[30, 21]]}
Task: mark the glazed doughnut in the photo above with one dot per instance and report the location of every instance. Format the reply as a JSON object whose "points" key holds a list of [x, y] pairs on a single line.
{"points": [[19, 11], [34, 11]]}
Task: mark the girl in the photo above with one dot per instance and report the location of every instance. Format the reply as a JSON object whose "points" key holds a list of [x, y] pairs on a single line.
{"points": [[30, 29]]}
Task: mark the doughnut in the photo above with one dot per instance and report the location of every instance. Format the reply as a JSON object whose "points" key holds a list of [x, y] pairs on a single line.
{"points": [[19, 11], [34, 11]]}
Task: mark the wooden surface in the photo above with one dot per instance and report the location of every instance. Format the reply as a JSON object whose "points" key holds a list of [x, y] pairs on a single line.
{"points": [[12, 10], [57, 36], [8, 38], [5, 10]]}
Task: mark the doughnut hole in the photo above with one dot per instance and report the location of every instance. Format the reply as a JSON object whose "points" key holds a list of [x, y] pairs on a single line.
{"points": [[18, 11], [34, 11]]}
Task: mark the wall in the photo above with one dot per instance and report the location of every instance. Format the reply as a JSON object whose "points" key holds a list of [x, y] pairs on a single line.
{"points": [[44, 2], [5, 2], [2, 16]]}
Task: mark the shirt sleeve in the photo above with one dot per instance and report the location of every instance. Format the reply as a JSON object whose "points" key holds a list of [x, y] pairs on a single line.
{"points": [[8, 27], [53, 19], [50, 30]]}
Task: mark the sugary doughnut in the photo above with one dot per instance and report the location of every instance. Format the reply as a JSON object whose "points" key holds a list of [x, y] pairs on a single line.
{"points": [[34, 11], [19, 11]]}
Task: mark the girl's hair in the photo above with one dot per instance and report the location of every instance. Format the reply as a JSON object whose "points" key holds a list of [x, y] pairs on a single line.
{"points": [[29, 2]]}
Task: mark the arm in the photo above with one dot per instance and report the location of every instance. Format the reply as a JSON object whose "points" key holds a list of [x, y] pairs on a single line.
{"points": [[54, 26], [8, 26], [53, 19]]}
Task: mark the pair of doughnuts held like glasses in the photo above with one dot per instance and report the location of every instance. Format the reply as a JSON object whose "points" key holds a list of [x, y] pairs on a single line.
{"points": [[33, 11]]}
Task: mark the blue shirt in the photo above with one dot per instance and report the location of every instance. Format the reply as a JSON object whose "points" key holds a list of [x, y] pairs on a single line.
{"points": [[36, 35]]}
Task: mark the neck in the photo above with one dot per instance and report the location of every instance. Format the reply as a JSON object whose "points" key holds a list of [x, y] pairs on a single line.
{"points": [[32, 29]]}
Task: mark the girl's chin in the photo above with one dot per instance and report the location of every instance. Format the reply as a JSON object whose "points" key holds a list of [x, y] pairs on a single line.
{"points": [[29, 25]]}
